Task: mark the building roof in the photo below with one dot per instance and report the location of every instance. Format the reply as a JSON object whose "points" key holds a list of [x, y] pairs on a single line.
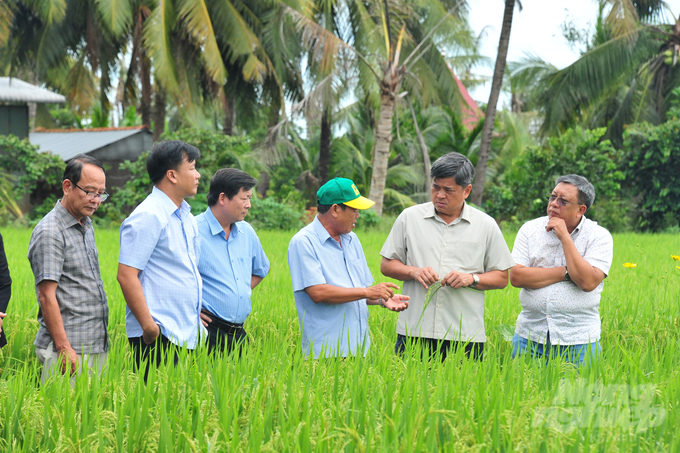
{"points": [[472, 114], [15, 90], [69, 143]]}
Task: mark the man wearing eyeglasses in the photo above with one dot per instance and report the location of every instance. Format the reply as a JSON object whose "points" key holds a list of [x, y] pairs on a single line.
{"points": [[562, 260], [73, 312]]}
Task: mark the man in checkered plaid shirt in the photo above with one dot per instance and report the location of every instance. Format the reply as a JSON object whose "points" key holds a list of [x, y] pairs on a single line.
{"points": [[73, 313]]}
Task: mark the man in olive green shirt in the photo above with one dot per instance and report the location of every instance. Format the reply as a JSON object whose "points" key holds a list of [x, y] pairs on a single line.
{"points": [[449, 241]]}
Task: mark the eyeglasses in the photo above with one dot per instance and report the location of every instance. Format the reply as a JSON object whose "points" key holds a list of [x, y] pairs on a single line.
{"points": [[92, 195], [560, 201]]}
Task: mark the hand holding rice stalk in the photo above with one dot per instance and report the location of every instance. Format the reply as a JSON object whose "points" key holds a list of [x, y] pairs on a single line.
{"points": [[431, 291], [429, 295]]}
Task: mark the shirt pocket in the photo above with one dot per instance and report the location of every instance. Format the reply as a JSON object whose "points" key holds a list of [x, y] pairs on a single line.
{"points": [[465, 256], [356, 272]]}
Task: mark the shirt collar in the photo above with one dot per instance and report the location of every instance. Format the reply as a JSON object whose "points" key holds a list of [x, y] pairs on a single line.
{"points": [[323, 233], [67, 218], [169, 206], [216, 227], [430, 213]]}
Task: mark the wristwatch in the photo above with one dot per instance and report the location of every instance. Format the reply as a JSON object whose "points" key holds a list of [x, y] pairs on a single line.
{"points": [[381, 303], [475, 277], [567, 278]]}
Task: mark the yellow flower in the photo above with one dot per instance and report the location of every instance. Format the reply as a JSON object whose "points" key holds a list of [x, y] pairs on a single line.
{"points": [[675, 257], [678, 267], [629, 264]]}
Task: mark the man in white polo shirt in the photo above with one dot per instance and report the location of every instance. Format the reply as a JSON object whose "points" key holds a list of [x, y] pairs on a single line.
{"points": [[448, 240], [562, 260]]}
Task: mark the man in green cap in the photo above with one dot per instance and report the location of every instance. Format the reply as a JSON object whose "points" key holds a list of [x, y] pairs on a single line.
{"points": [[331, 280]]}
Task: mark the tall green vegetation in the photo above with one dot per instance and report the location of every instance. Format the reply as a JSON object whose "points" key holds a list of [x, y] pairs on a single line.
{"points": [[273, 399]]}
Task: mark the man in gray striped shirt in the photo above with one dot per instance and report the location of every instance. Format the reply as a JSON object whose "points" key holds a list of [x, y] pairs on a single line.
{"points": [[73, 312]]}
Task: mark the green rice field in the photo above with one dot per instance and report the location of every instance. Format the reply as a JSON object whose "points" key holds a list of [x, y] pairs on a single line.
{"points": [[273, 399]]}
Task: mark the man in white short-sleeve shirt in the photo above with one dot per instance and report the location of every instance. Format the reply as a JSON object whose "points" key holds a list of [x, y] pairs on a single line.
{"points": [[562, 260], [451, 241]]}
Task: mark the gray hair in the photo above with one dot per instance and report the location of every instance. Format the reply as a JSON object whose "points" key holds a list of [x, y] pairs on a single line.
{"points": [[586, 191], [454, 165]]}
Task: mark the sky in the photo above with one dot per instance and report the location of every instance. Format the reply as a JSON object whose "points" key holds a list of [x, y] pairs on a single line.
{"points": [[535, 30]]}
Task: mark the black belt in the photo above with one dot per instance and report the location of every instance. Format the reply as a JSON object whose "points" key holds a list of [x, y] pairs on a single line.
{"points": [[221, 324]]}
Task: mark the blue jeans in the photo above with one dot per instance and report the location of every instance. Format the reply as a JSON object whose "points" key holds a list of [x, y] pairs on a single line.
{"points": [[575, 354]]}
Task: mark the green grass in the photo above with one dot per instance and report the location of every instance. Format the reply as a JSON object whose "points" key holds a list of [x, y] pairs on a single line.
{"points": [[275, 400]]}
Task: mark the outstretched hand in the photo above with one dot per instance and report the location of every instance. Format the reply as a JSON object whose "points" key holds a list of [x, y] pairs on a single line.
{"points": [[398, 302]]}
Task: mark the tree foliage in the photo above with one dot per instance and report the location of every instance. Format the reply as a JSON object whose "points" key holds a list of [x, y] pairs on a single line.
{"points": [[653, 160], [522, 193]]}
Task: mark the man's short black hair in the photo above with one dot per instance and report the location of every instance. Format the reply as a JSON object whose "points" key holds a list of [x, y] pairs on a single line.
{"points": [[324, 208], [74, 168], [454, 165], [229, 181], [169, 155]]}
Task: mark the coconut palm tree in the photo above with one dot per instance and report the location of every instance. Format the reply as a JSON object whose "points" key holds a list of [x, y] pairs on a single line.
{"points": [[396, 45], [626, 75], [490, 114]]}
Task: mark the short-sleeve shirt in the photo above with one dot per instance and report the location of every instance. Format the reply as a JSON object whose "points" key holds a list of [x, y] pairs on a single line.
{"points": [[63, 250], [571, 315], [473, 243], [315, 258], [227, 266], [162, 241]]}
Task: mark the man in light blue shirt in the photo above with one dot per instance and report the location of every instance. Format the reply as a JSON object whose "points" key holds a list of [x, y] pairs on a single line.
{"points": [[158, 261], [331, 279], [232, 260]]}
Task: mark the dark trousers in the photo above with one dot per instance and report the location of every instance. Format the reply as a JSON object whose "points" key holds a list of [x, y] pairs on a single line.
{"points": [[431, 346], [224, 336], [152, 354]]}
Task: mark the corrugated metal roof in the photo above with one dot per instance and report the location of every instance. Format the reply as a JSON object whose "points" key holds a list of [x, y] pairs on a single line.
{"points": [[15, 90], [71, 143]]}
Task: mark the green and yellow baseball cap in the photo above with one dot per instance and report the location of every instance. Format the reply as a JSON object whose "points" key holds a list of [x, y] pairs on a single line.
{"points": [[343, 191]]}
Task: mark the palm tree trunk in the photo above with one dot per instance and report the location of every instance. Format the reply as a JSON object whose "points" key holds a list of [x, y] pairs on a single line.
{"points": [[383, 139], [325, 147], [427, 165], [145, 75], [229, 112], [159, 112], [487, 130]]}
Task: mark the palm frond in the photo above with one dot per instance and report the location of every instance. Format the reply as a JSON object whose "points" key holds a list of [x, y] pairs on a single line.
{"points": [[6, 16], [50, 11], [572, 89], [159, 29], [116, 15], [200, 27], [238, 40]]}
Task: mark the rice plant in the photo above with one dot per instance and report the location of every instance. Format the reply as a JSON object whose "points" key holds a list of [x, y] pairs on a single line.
{"points": [[275, 399]]}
